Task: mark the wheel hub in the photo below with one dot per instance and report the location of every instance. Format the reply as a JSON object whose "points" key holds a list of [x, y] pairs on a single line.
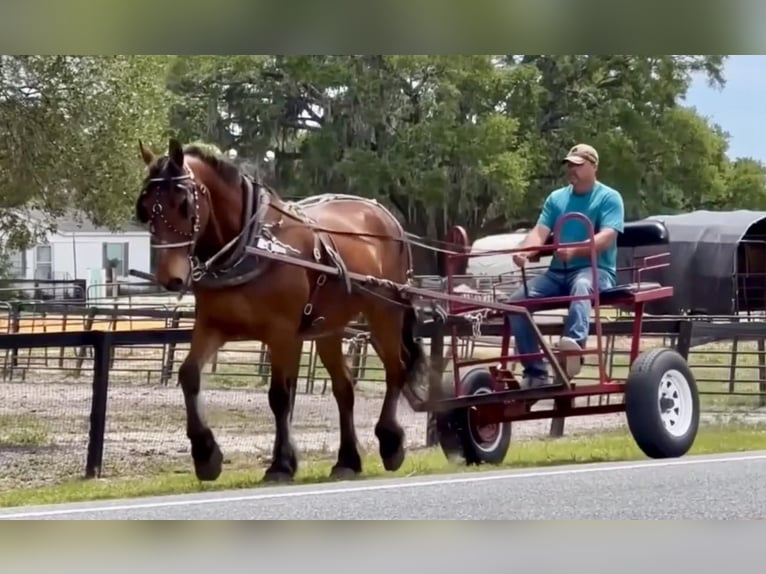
{"points": [[675, 403], [666, 404], [486, 432], [485, 436]]}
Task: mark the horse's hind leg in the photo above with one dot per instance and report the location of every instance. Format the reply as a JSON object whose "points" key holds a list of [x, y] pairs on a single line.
{"points": [[205, 452], [391, 331], [285, 366], [330, 350]]}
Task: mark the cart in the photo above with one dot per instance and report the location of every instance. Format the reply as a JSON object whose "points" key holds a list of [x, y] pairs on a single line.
{"points": [[481, 398]]}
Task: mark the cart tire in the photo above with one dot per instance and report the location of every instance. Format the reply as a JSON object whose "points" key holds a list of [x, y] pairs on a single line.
{"points": [[662, 404], [460, 437]]}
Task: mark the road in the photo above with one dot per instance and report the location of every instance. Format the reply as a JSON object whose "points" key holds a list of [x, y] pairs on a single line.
{"points": [[730, 486]]}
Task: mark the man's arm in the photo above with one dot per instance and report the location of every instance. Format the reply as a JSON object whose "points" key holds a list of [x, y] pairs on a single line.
{"points": [[539, 234]]}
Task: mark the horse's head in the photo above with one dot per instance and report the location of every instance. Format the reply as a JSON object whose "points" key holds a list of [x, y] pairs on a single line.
{"points": [[172, 204]]}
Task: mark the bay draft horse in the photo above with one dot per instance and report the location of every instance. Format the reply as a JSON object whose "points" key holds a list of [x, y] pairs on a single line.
{"points": [[203, 212]]}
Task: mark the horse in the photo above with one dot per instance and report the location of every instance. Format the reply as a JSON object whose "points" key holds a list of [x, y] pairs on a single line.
{"points": [[205, 216]]}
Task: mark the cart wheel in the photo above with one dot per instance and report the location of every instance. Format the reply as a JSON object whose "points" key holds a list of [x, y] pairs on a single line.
{"points": [[662, 404], [459, 434]]}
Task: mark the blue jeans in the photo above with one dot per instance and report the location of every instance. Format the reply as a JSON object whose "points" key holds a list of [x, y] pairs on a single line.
{"points": [[554, 283]]}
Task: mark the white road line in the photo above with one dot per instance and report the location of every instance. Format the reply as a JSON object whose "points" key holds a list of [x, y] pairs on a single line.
{"points": [[377, 487]]}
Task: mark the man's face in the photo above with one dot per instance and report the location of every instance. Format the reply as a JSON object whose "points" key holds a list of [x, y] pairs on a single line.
{"points": [[584, 172]]}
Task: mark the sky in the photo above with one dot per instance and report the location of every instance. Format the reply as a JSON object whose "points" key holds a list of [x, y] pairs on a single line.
{"points": [[740, 107]]}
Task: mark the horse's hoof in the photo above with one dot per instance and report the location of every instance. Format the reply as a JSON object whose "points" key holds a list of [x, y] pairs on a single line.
{"points": [[275, 476], [343, 473], [394, 462], [391, 447], [210, 469]]}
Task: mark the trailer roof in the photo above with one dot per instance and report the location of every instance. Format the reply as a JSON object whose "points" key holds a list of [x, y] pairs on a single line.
{"points": [[705, 226]]}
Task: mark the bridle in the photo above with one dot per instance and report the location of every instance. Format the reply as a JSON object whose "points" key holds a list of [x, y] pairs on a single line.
{"points": [[157, 210], [193, 192]]}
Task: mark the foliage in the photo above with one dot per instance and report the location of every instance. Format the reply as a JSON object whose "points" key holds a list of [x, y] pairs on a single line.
{"points": [[474, 140], [69, 127]]}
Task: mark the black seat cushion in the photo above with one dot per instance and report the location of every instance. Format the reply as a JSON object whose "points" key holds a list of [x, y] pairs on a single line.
{"points": [[641, 233]]}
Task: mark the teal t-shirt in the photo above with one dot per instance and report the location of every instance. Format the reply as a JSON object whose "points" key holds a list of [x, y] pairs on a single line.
{"points": [[602, 205]]}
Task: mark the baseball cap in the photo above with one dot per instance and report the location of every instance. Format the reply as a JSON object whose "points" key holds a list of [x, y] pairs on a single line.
{"points": [[581, 153]]}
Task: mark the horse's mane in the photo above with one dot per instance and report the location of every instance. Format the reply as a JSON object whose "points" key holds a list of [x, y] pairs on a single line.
{"points": [[211, 155]]}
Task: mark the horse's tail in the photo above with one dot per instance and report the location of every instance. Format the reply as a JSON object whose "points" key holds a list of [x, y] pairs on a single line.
{"points": [[415, 356], [415, 361]]}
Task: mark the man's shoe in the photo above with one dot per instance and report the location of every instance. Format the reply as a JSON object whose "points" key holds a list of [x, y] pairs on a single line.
{"points": [[572, 364]]}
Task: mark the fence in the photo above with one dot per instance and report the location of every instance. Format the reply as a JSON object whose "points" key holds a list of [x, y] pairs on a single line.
{"points": [[97, 389]]}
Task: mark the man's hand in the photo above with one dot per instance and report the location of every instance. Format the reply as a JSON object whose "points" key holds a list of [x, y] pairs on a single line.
{"points": [[602, 240], [520, 259], [566, 254], [534, 238]]}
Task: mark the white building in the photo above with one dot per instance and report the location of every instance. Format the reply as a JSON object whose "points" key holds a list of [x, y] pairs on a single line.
{"points": [[78, 249]]}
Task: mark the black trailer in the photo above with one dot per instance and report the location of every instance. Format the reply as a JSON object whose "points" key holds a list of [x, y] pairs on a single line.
{"points": [[718, 263]]}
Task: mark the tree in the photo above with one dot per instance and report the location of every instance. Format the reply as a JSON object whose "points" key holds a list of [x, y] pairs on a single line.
{"points": [[628, 108], [744, 185], [474, 140], [69, 128]]}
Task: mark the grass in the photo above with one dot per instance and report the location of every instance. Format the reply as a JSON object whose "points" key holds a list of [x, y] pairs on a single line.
{"points": [[23, 431], [239, 473]]}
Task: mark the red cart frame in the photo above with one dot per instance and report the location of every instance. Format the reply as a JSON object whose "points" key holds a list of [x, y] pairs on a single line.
{"points": [[660, 390]]}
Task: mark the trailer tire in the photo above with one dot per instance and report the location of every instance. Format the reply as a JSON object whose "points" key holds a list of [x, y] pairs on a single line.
{"points": [[459, 435], [662, 404]]}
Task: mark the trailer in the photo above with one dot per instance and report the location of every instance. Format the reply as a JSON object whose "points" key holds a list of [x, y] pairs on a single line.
{"points": [[723, 250]]}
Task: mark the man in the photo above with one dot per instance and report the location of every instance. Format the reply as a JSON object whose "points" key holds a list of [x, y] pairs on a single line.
{"points": [[570, 273]]}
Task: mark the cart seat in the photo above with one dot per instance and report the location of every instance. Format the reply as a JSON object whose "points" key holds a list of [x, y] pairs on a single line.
{"points": [[637, 234], [620, 292], [642, 233]]}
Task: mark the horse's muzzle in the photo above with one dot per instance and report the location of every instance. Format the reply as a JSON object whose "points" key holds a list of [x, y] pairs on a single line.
{"points": [[174, 284]]}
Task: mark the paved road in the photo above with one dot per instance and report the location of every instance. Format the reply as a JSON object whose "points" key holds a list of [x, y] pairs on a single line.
{"points": [[710, 487]]}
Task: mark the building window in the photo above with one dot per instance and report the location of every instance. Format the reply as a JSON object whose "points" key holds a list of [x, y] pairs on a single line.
{"points": [[17, 264], [116, 255], [43, 262]]}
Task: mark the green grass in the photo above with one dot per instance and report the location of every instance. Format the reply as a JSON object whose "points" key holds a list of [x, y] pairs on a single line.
{"points": [[242, 473], [23, 431]]}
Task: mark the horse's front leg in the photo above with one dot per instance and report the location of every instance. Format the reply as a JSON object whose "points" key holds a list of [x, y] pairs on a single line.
{"points": [[285, 365], [205, 452]]}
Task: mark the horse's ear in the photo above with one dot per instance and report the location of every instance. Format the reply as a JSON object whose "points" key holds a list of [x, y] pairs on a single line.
{"points": [[146, 153], [176, 152]]}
